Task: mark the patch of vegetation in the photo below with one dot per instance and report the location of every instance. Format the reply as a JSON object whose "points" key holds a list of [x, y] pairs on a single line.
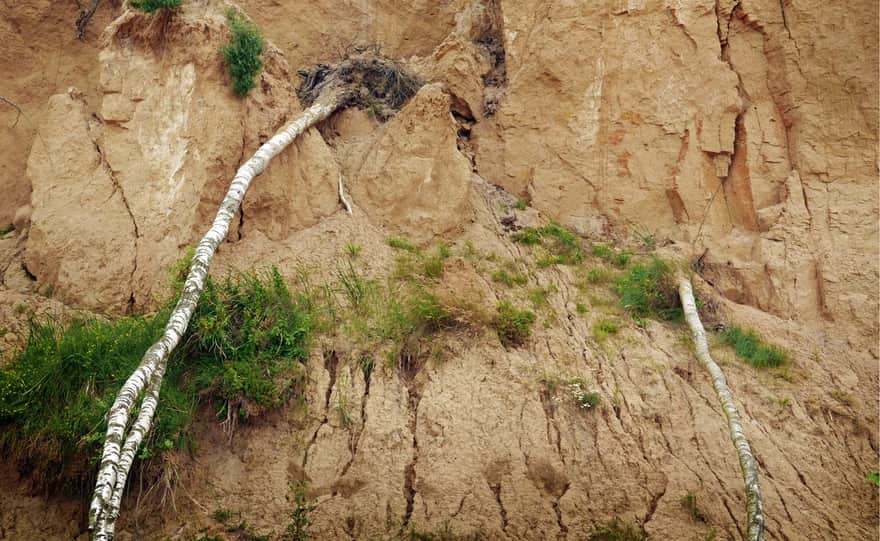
{"points": [[599, 275], [873, 477], [298, 527], [353, 249], [510, 279], [539, 296], [604, 328], [619, 259], [514, 326], [584, 398], [243, 53], [528, 236], [521, 204], [402, 244], [689, 504], [615, 530], [6, 229], [150, 6], [432, 266], [646, 238], [750, 348], [649, 290], [581, 308], [242, 352]]}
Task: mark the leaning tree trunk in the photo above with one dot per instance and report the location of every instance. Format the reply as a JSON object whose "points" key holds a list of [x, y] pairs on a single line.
{"points": [[124, 437], [734, 425]]}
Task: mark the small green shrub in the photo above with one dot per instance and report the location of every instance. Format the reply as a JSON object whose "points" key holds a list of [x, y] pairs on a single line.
{"points": [[539, 296], [514, 326], [402, 244], [749, 347], [528, 235], [621, 259], [649, 290], [298, 527], [602, 252], [243, 53], [873, 477], [510, 279], [583, 398], [615, 530], [432, 266], [581, 308], [605, 328], [150, 6], [521, 204]]}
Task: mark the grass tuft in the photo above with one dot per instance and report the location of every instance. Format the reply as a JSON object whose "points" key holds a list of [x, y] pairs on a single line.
{"points": [[749, 347], [649, 290], [615, 530], [402, 244], [510, 279], [605, 328], [150, 6], [514, 326]]}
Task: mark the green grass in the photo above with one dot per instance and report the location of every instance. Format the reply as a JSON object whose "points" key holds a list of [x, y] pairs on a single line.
{"points": [[353, 249], [619, 259], [581, 308], [521, 204], [432, 265], [510, 279], [583, 398], [562, 246], [243, 53], [873, 477], [615, 530], [242, 352], [749, 347], [649, 290], [528, 236], [402, 244], [150, 6], [599, 275], [604, 328], [540, 296], [514, 326]]}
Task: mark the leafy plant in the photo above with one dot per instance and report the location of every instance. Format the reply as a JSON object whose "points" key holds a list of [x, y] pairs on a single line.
{"points": [[243, 52], [584, 398], [581, 308], [514, 326], [298, 527], [649, 290], [521, 204], [150, 6], [749, 347], [873, 477]]}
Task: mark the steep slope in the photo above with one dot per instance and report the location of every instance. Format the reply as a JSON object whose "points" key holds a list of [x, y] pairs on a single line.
{"points": [[743, 135]]}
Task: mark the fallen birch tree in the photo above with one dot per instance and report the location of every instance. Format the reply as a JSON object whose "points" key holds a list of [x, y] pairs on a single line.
{"points": [[123, 438], [362, 80], [754, 503]]}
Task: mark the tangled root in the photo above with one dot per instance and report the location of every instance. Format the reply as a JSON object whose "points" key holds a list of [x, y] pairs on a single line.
{"points": [[366, 80]]}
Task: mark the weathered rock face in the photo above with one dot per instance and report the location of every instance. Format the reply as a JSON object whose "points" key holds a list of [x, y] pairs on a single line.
{"points": [[704, 122], [167, 138], [744, 132]]}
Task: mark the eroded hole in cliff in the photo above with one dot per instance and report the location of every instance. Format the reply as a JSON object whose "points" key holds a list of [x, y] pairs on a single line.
{"points": [[491, 41], [366, 79]]}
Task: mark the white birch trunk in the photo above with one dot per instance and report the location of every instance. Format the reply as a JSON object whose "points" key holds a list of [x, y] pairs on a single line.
{"points": [[754, 503], [122, 440]]}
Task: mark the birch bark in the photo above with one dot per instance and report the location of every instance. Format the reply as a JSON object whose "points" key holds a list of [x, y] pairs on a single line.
{"points": [[124, 437], [754, 503]]}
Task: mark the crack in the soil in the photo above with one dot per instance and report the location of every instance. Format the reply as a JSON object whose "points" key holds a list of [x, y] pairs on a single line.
{"points": [[356, 434], [563, 529], [409, 473], [496, 490], [331, 361]]}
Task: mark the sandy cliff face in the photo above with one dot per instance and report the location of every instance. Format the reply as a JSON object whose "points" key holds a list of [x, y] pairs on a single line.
{"points": [[744, 133]]}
